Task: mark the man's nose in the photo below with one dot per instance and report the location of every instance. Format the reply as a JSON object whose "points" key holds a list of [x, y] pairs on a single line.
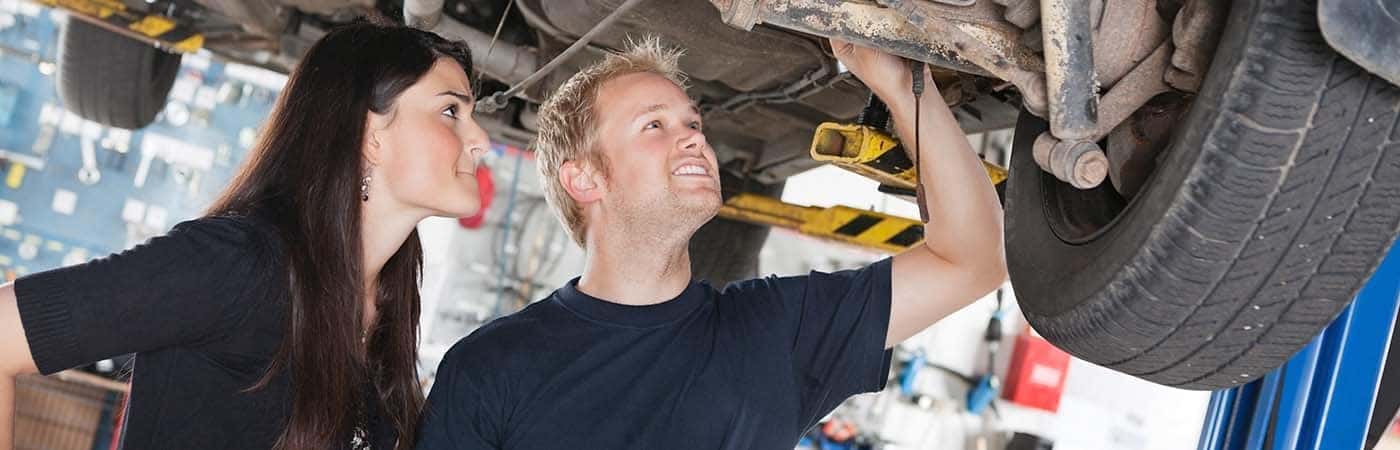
{"points": [[693, 141]]}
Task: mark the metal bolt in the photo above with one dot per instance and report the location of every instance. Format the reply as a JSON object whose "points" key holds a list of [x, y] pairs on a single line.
{"points": [[1090, 169], [1081, 164]]}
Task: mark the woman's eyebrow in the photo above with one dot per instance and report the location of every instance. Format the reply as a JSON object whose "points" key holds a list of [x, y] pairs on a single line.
{"points": [[465, 98]]}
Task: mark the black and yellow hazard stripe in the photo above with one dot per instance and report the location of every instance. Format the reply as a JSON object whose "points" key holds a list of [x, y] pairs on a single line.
{"points": [[873, 153], [872, 230], [153, 27]]}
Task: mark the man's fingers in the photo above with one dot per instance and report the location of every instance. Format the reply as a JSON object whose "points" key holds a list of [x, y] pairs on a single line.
{"points": [[840, 47]]}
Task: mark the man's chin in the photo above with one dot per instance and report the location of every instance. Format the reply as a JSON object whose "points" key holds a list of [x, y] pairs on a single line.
{"points": [[699, 208]]}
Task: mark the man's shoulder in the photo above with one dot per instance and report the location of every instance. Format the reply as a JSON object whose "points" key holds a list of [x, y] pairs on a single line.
{"points": [[762, 286], [499, 341]]}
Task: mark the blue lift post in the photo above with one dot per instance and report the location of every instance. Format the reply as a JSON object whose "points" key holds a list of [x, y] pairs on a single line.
{"points": [[1322, 399]]}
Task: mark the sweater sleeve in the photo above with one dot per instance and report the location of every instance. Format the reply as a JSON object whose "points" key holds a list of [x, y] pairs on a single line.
{"points": [[178, 289]]}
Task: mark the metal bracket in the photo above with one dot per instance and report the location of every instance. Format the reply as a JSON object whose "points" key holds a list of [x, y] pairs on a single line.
{"points": [[872, 230]]}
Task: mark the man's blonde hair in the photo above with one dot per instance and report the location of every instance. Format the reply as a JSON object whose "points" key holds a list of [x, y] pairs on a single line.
{"points": [[568, 120]]}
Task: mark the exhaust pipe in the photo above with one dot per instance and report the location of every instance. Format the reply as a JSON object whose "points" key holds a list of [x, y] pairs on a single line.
{"points": [[506, 62]]}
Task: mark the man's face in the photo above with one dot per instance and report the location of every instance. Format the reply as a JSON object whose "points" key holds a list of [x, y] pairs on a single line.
{"points": [[661, 169]]}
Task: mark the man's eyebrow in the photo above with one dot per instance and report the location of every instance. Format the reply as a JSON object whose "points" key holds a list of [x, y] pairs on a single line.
{"points": [[465, 98], [662, 106], [651, 109]]}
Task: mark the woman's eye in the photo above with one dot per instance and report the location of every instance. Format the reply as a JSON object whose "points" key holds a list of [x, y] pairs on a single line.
{"points": [[451, 111]]}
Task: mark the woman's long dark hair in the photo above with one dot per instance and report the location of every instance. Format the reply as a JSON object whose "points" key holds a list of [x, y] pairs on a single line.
{"points": [[304, 175]]}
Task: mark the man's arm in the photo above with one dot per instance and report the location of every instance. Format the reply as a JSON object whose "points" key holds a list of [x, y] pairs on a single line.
{"points": [[963, 256], [14, 360]]}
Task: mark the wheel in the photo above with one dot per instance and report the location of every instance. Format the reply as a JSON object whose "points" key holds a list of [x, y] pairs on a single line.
{"points": [[724, 250], [112, 79], [1275, 200]]}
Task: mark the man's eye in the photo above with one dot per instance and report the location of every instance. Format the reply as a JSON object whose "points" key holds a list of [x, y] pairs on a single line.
{"points": [[696, 125]]}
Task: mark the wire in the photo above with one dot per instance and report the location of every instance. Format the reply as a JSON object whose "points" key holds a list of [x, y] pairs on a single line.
{"points": [[505, 226], [498, 100], [916, 68], [499, 26]]}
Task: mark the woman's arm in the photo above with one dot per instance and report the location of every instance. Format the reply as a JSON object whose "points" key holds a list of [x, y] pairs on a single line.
{"points": [[14, 360]]}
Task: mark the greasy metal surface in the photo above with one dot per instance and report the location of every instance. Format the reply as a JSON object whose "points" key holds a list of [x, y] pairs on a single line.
{"points": [[1125, 34], [1133, 146], [741, 60], [1071, 91], [505, 61], [740, 13], [423, 14], [1022, 13], [327, 7], [995, 49], [1195, 32], [1133, 90], [1366, 32], [499, 100], [265, 18], [1067, 161]]}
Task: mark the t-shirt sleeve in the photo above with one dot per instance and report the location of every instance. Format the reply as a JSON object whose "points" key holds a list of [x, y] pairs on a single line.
{"points": [[457, 415], [176, 289], [837, 323]]}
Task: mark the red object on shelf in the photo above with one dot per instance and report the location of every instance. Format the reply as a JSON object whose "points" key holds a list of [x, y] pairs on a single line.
{"points": [[1036, 377], [486, 190]]}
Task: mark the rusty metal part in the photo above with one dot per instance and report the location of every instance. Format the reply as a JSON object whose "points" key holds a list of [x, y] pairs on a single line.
{"points": [[1126, 33], [1133, 90], [957, 2], [1080, 163], [498, 100], [328, 7], [423, 14], [743, 14], [971, 39], [1072, 93], [261, 17], [980, 49], [504, 61], [1022, 13], [1195, 32], [1134, 145]]}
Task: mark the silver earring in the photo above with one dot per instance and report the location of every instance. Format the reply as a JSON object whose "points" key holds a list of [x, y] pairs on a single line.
{"points": [[364, 188]]}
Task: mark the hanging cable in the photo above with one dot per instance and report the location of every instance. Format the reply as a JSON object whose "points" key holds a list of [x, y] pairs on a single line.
{"points": [[498, 100]]}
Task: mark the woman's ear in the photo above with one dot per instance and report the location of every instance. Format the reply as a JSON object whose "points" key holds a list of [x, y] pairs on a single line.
{"points": [[582, 183], [376, 129]]}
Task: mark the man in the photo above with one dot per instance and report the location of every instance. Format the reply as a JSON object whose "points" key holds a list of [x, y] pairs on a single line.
{"points": [[634, 354]]}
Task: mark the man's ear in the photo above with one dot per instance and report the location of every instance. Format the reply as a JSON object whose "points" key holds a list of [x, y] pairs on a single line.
{"points": [[581, 181]]}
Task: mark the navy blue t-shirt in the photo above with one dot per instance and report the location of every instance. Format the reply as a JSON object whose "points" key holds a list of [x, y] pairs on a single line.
{"points": [[750, 367]]}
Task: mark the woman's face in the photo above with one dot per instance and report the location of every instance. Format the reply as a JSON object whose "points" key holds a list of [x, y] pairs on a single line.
{"points": [[425, 150]]}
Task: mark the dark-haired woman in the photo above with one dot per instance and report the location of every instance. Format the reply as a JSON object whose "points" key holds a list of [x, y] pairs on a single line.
{"points": [[287, 317]]}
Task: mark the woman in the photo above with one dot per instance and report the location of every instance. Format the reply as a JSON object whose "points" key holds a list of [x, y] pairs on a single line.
{"points": [[288, 316]]}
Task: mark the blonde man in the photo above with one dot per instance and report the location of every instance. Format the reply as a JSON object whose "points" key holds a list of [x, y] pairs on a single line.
{"points": [[634, 354]]}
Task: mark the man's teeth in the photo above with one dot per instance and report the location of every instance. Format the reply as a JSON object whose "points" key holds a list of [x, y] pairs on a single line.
{"points": [[691, 170]]}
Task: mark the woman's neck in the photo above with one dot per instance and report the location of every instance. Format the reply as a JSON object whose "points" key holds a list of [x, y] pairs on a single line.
{"points": [[383, 230]]}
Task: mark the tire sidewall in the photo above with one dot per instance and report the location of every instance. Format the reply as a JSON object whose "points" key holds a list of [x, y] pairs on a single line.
{"points": [[1058, 277]]}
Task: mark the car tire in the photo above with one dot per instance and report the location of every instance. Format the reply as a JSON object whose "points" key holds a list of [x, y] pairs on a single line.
{"points": [[1276, 199], [112, 79]]}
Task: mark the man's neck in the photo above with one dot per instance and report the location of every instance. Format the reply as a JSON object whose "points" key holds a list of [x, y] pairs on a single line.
{"points": [[635, 268]]}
